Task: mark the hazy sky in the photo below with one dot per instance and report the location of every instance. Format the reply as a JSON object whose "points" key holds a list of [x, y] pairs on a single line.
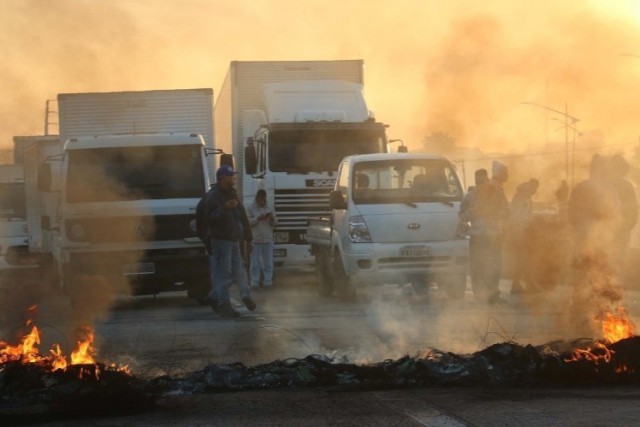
{"points": [[460, 67]]}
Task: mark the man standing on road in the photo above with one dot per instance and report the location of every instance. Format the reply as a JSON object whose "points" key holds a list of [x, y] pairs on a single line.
{"points": [[262, 219], [486, 210], [228, 226]]}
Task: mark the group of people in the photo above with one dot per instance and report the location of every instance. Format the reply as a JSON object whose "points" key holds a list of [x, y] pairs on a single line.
{"points": [[598, 214], [229, 227]]}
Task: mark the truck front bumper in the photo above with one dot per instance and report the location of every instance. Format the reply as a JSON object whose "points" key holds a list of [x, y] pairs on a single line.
{"points": [[148, 271], [395, 262]]}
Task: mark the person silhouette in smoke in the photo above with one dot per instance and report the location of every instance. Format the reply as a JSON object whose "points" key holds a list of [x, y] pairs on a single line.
{"points": [[594, 215], [628, 205], [516, 252], [486, 208]]}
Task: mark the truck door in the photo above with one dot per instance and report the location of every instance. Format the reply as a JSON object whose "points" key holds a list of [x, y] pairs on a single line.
{"points": [[339, 216]]}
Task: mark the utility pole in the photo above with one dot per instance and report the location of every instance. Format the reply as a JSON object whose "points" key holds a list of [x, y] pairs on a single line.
{"points": [[567, 125], [47, 112]]}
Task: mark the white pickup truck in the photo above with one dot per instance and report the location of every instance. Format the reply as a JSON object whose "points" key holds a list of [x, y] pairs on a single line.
{"points": [[394, 219]]}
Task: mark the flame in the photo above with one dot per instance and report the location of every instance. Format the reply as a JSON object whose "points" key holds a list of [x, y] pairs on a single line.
{"points": [[25, 351], [616, 327], [83, 354], [59, 361], [579, 354]]}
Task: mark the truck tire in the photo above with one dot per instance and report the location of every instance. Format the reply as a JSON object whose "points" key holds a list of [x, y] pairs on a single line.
{"points": [[341, 282], [421, 284], [324, 278], [199, 290], [455, 285]]}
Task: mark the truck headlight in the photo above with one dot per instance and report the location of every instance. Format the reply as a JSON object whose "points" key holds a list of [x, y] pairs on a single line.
{"points": [[77, 232], [281, 237], [358, 231]]}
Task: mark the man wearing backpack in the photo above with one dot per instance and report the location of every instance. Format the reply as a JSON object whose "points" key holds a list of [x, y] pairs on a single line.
{"points": [[227, 227]]}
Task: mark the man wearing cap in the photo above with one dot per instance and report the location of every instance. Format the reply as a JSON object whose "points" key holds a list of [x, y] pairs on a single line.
{"points": [[228, 226]]}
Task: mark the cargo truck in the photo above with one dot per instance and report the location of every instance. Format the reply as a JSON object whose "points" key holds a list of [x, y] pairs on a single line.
{"points": [[288, 124], [121, 188], [13, 224]]}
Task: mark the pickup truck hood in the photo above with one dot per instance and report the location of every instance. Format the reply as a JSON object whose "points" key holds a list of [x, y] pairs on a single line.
{"points": [[399, 223]]}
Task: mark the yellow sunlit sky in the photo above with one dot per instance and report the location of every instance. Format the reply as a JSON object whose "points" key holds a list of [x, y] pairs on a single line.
{"points": [[460, 67]]}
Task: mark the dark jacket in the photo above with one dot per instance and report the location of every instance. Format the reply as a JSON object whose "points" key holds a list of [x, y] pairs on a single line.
{"points": [[226, 224]]}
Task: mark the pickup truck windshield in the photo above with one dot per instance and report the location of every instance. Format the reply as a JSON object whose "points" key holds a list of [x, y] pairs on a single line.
{"points": [[320, 150], [133, 173], [12, 202], [405, 181]]}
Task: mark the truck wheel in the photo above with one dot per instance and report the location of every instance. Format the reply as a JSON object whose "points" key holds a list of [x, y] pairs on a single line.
{"points": [[456, 285], [421, 284], [341, 282], [199, 290], [323, 275]]}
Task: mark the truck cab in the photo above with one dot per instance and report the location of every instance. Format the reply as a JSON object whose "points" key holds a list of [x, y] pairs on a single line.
{"points": [[126, 203]]}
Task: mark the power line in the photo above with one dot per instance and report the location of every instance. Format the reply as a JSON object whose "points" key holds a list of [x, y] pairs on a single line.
{"points": [[543, 153]]}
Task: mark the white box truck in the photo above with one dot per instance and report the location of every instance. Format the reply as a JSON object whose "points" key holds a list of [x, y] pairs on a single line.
{"points": [[41, 210], [13, 225], [130, 169], [288, 124]]}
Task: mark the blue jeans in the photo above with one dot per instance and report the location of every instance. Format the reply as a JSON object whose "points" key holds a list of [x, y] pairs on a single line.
{"points": [[262, 261], [226, 266]]}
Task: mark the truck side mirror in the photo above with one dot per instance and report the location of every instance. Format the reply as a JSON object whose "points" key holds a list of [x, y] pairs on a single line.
{"points": [[250, 158], [226, 159], [44, 177], [336, 200]]}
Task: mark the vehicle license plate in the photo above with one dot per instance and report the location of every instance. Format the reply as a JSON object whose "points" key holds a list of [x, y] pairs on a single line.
{"points": [[415, 251], [138, 268]]}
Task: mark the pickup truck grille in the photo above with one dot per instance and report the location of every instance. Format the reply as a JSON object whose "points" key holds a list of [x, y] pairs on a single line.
{"points": [[295, 207], [129, 229], [415, 262]]}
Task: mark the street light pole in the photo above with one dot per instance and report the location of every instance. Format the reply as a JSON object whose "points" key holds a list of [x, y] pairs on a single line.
{"points": [[567, 125]]}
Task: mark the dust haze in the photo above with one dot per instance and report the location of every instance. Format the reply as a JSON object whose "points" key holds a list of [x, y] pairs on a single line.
{"points": [[461, 68]]}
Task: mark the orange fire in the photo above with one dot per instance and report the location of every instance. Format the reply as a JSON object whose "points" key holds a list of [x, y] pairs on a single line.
{"points": [[27, 352], [83, 354], [618, 326], [588, 354]]}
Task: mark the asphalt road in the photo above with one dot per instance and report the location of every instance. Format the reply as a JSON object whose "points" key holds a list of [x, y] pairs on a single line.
{"points": [[172, 335]]}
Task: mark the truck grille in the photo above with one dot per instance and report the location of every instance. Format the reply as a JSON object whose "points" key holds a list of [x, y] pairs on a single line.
{"points": [[295, 207], [129, 229]]}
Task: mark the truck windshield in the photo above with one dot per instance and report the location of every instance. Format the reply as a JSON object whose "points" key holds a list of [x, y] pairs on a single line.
{"points": [[320, 150], [12, 201], [405, 181], [132, 173]]}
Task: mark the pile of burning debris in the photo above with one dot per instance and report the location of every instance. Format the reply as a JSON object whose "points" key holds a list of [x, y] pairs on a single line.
{"points": [[83, 387], [506, 364], [33, 385]]}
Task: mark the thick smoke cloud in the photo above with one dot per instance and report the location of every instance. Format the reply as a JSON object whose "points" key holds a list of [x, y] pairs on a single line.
{"points": [[460, 68]]}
